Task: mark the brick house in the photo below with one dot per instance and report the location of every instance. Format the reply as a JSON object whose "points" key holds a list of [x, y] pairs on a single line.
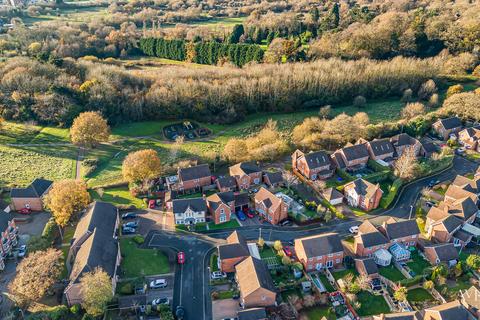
{"points": [[232, 253], [319, 252], [189, 211], [223, 204], [191, 179], [9, 234], [333, 196], [448, 311], [367, 267], [471, 185], [313, 165], [225, 184], [363, 194], [255, 284], [469, 138], [403, 141], [352, 158], [405, 232], [246, 174], [32, 196], [270, 207], [441, 253], [381, 149], [94, 244], [273, 179], [470, 299], [445, 127], [368, 240], [455, 192]]}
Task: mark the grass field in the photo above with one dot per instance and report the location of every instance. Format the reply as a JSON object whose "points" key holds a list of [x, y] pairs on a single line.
{"points": [[79, 14], [370, 304], [120, 196], [419, 295], [316, 313], [141, 262], [391, 273]]}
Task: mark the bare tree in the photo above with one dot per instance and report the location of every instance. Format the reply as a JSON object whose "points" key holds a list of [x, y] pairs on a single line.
{"points": [[406, 166], [289, 178]]}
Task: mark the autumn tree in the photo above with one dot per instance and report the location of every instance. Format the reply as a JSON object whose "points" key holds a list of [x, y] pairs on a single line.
{"points": [[400, 294], [65, 198], [457, 88], [235, 150], [35, 275], [97, 291], [428, 285], [277, 245], [2, 123], [407, 164], [141, 166], [473, 261], [411, 110], [89, 129]]}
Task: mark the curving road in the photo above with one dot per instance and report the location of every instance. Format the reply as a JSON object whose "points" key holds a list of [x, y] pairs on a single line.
{"points": [[191, 280]]}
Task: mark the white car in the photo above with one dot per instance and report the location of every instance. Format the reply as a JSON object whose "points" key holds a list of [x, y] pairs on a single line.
{"points": [[353, 229], [218, 275], [22, 251], [158, 283], [160, 301]]}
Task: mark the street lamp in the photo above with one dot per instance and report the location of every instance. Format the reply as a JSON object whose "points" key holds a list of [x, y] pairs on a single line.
{"points": [[411, 210]]}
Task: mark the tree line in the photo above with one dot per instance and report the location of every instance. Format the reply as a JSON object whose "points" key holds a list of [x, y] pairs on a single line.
{"points": [[202, 52]]}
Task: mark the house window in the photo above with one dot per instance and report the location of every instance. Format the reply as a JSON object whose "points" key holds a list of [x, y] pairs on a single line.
{"points": [[329, 264], [222, 211], [223, 218], [330, 255]]}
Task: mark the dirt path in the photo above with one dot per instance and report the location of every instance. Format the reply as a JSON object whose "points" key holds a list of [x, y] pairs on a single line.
{"points": [[78, 167]]}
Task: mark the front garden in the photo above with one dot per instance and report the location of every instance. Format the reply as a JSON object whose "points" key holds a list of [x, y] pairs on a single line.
{"points": [[141, 262]]}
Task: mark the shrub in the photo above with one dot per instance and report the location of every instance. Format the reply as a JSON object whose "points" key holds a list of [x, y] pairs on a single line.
{"points": [[126, 288], [413, 281], [476, 71], [458, 88], [89, 165], [359, 101], [138, 239], [50, 230], [75, 309], [392, 193]]}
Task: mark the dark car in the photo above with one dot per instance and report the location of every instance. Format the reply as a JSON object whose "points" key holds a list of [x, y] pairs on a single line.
{"points": [[129, 215], [131, 224], [180, 313], [128, 230], [241, 216]]}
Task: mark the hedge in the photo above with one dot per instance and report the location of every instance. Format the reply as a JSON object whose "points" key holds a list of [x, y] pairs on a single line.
{"points": [[412, 281], [50, 230], [345, 175], [377, 176], [392, 193]]}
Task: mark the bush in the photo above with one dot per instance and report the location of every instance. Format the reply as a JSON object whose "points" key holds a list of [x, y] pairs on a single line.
{"points": [[138, 239], [89, 165], [75, 309], [413, 281], [359, 101], [50, 230], [126, 288], [392, 193], [454, 90]]}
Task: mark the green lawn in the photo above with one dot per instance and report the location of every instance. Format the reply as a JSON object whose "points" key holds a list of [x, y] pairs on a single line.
{"points": [[317, 313], [391, 273], [326, 283], [227, 225], [343, 273], [418, 264], [141, 262], [214, 262], [119, 196], [20, 165], [371, 305], [451, 290], [419, 295]]}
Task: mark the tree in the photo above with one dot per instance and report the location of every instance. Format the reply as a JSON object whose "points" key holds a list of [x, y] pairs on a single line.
{"points": [[458, 269], [473, 261], [428, 285], [235, 150], [96, 289], [406, 165], [89, 129], [286, 261], [277, 245], [412, 110], [457, 88], [289, 178], [65, 198], [141, 166], [35, 275], [261, 243], [38, 243], [328, 216], [359, 101], [237, 32], [2, 123], [400, 294], [427, 89]]}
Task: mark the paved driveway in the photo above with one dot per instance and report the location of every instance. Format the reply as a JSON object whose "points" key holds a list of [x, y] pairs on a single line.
{"points": [[163, 292], [225, 309]]}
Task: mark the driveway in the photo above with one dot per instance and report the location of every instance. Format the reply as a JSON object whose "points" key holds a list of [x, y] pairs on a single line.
{"points": [[163, 292], [35, 225], [225, 309]]}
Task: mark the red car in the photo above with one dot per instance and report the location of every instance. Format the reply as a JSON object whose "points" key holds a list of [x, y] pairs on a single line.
{"points": [[249, 213], [25, 211], [181, 257], [287, 251], [151, 204]]}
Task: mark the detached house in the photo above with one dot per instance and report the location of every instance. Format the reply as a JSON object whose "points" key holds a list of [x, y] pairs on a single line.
{"points": [[94, 245], [232, 253], [9, 234], [255, 284], [225, 184], [221, 205], [190, 179], [445, 127], [313, 165], [31, 197], [367, 267], [189, 211], [471, 300], [352, 158], [319, 252], [455, 192], [246, 174], [403, 141], [448, 311], [405, 232], [381, 149], [270, 207], [469, 138], [471, 185], [369, 240], [363, 194]]}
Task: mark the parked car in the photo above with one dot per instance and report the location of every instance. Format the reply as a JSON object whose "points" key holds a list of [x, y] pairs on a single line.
{"points": [[218, 275], [22, 251], [286, 223], [353, 229], [181, 257], [241, 216], [151, 204], [128, 230], [158, 283], [433, 183], [131, 224], [129, 215], [25, 211], [249, 212], [160, 301], [180, 313], [429, 204], [287, 251]]}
